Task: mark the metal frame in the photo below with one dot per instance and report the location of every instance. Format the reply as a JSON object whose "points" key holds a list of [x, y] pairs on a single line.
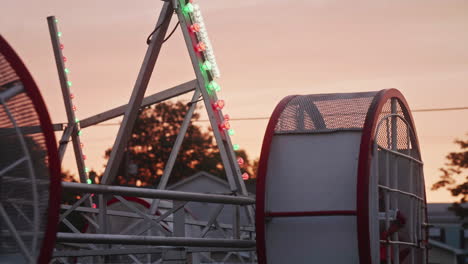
{"points": [[391, 190], [171, 238]]}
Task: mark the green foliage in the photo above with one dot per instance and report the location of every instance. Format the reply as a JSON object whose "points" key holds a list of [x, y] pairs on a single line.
{"points": [[151, 142], [456, 169]]}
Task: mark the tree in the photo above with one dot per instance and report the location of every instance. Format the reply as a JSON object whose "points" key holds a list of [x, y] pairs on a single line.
{"points": [[151, 142], [456, 168]]}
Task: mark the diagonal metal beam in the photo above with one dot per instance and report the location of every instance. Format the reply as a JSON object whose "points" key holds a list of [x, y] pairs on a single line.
{"points": [[138, 93], [15, 234], [147, 101]]}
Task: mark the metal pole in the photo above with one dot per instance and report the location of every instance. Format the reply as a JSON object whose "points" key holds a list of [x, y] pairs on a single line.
{"points": [[153, 240], [395, 237], [131, 113], [158, 194], [71, 118], [233, 173]]}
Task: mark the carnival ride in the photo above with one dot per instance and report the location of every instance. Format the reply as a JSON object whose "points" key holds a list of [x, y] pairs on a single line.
{"points": [[340, 177]]}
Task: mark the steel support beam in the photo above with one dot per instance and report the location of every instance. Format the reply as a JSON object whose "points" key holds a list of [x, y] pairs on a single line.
{"points": [[147, 101], [136, 99], [153, 240], [156, 194]]}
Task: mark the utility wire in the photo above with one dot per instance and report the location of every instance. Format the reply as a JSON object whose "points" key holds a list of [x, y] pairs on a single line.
{"points": [[267, 118]]}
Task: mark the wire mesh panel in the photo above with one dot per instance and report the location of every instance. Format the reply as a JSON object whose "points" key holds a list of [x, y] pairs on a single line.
{"points": [[324, 113], [26, 168], [350, 157]]}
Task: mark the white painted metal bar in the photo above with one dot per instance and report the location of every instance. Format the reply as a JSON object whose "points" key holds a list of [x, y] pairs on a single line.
{"points": [[154, 217], [12, 91], [19, 241], [136, 99], [233, 173], [401, 192], [142, 214], [71, 118], [161, 194], [138, 250], [175, 149], [394, 131], [411, 201], [147, 101], [387, 195], [153, 240], [13, 165], [212, 219], [399, 154], [32, 174]]}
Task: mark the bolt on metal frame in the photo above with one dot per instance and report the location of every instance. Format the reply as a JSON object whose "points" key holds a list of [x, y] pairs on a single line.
{"points": [[391, 191], [103, 243]]}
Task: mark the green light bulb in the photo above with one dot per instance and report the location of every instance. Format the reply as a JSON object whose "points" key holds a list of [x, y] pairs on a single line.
{"points": [[56, 20], [67, 70], [213, 86], [231, 132], [77, 120], [59, 34], [86, 169], [206, 66], [80, 133], [89, 181], [188, 8], [236, 146], [69, 83]]}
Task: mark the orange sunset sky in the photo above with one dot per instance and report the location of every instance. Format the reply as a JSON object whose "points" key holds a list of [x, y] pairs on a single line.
{"points": [[266, 49]]}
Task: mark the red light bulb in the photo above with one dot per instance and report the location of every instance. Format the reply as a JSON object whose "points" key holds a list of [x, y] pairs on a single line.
{"points": [[227, 117], [240, 161], [201, 46], [81, 145], [74, 108], [84, 157], [225, 125], [72, 96], [94, 205], [245, 176], [64, 59], [62, 46], [218, 105], [195, 27]]}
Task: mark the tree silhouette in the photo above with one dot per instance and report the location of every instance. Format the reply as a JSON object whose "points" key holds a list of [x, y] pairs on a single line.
{"points": [[151, 142], [456, 168]]}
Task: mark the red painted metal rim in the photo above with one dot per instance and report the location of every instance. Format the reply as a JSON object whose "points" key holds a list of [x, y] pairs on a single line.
{"points": [[261, 180], [55, 187], [364, 163]]}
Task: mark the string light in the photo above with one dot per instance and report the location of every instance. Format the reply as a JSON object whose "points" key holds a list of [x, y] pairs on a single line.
{"points": [[74, 108], [94, 206], [80, 133], [227, 117], [213, 86], [203, 36], [89, 181], [67, 70], [72, 96], [195, 28], [84, 157], [59, 34], [188, 8], [225, 125], [240, 161], [62, 46], [64, 59], [200, 46], [218, 105], [235, 147], [245, 176], [231, 132], [77, 120], [69, 83]]}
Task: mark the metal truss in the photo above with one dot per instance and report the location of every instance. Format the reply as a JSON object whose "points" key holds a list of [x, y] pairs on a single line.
{"points": [[164, 232]]}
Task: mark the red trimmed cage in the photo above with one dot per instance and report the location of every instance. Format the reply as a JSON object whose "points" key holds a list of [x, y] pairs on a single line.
{"points": [[29, 167], [340, 181]]}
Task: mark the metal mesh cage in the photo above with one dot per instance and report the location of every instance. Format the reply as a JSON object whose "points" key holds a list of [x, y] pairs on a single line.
{"points": [[324, 113], [24, 172]]}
